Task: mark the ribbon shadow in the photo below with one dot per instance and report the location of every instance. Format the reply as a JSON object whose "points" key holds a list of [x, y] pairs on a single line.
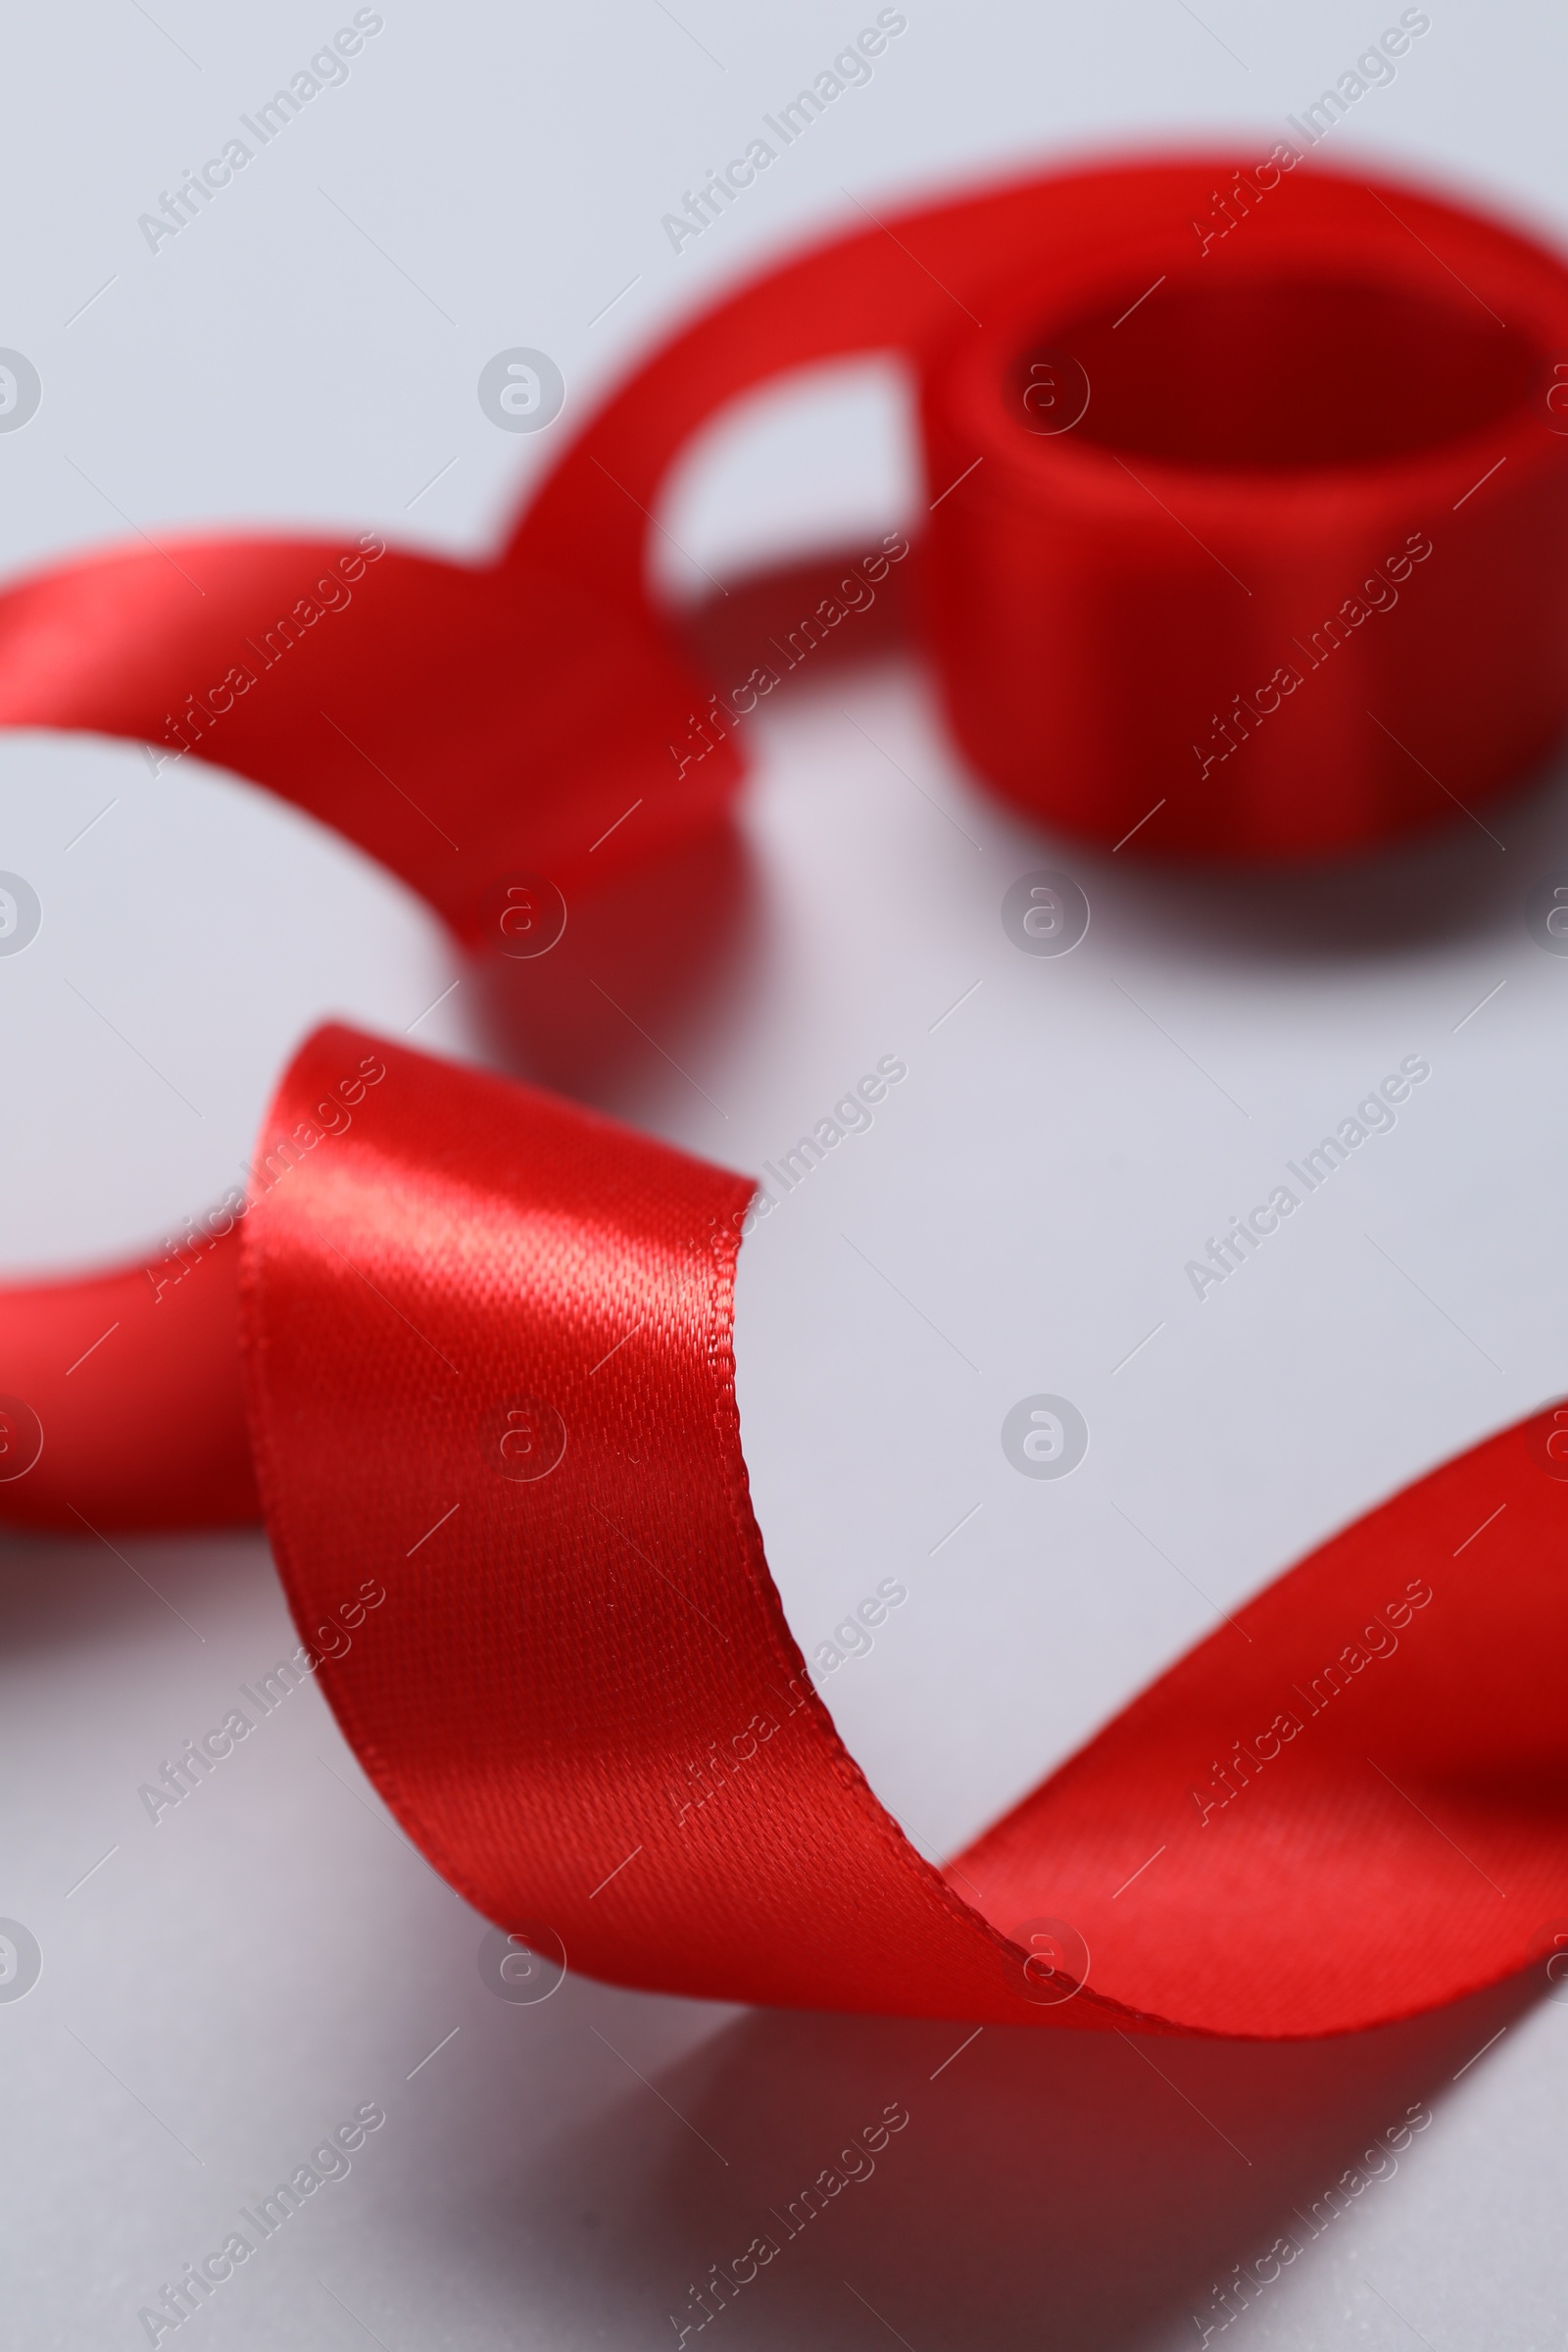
{"points": [[1044, 2188]]}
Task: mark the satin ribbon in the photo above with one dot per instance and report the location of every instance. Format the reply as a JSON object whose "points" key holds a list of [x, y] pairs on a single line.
{"points": [[483, 1337]]}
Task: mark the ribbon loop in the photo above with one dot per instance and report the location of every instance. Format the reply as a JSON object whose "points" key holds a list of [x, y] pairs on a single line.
{"points": [[490, 1376]]}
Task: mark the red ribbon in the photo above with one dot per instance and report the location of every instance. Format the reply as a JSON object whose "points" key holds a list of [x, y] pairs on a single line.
{"points": [[1171, 609]]}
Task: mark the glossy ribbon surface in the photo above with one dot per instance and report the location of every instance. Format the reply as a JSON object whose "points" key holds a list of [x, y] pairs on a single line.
{"points": [[483, 1337]]}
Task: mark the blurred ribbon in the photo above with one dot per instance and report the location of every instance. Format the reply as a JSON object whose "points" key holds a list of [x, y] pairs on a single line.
{"points": [[475, 1341]]}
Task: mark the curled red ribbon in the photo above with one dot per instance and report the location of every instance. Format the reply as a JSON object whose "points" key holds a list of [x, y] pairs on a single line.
{"points": [[1170, 487]]}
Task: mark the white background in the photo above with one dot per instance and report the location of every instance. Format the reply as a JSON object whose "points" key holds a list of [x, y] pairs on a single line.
{"points": [[225, 1988]]}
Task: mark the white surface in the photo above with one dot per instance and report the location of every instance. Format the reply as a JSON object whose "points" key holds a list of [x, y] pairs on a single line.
{"points": [[228, 1986]]}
